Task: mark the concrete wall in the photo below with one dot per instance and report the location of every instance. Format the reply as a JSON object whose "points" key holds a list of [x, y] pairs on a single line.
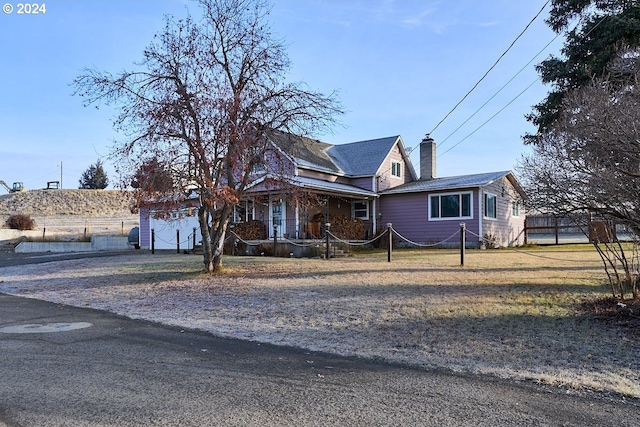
{"points": [[98, 243]]}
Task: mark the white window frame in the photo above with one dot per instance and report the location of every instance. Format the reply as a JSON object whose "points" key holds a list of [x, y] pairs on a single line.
{"points": [[485, 204], [396, 169], [450, 218], [353, 209], [515, 209], [249, 211]]}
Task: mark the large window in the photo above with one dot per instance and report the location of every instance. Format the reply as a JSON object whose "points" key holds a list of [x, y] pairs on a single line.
{"points": [[396, 169], [490, 210], [360, 209], [449, 206]]}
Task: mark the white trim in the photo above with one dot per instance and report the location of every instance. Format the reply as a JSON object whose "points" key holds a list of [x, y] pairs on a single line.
{"points": [[515, 202], [455, 218], [374, 215], [495, 205], [353, 209], [283, 219], [480, 209], [297, 211], [396, 165]]}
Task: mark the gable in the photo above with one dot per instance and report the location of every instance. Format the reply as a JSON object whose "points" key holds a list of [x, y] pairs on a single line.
{"points": [[306, 152], [362, 158], [354, 160]]}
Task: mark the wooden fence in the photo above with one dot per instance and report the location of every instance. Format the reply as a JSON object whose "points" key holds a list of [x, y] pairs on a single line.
{"points": [[556, 229]]}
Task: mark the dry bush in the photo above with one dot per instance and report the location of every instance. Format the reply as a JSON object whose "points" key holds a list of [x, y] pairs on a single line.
{"points": [[21, 222]]}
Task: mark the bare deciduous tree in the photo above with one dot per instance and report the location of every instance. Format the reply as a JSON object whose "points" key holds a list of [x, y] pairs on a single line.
{"points": [[590, 162], [208, 92]]}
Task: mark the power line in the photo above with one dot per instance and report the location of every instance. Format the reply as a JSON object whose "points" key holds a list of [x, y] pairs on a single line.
{"points": [[499, 90], [512, 100], [491, 68], [490, 118]]}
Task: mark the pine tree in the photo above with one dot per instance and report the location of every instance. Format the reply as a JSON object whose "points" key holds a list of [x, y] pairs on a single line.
{"points": [[94, 178], [604, 28]]}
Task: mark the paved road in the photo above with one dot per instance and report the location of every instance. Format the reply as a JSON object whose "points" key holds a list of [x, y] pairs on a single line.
{"points": [[122, 372], [11, 258]]}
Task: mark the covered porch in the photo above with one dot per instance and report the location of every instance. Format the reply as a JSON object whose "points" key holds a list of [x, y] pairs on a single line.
{"points": [[303, 212]]}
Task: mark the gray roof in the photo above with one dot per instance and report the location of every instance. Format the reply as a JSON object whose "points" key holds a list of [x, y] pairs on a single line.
{"points": [[362, 158], [307, 152], [329, 187], [355, 159], [452, 183]]}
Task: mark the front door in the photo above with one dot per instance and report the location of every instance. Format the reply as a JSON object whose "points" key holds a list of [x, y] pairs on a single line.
{"points": [[277, 218]]}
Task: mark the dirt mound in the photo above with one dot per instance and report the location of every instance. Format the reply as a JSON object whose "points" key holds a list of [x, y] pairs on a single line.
{"points": [[86, 203]]}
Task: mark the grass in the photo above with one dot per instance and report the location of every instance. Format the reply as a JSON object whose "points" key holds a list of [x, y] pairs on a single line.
{"points": [[509, 313]]}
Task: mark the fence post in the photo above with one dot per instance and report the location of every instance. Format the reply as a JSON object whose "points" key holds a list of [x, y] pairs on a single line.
{"points": [[153, 241], [326, 235], [390, 246], [555, 224], [178, 241], [463, 229], [526, 232], [275, 239], [194, 240]]}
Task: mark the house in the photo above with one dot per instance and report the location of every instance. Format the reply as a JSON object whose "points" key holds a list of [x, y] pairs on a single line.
{"points": [[360, 187]]}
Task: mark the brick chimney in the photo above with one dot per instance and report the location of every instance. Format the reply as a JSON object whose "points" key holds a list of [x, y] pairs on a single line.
{"points": [[427, 158]]}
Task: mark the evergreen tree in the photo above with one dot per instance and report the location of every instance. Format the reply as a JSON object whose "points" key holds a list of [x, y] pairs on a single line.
{"points": [[603, 28], [94, 178]]}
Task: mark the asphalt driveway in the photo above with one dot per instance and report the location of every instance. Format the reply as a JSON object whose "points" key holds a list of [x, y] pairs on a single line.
{"points": [[113, 371]]}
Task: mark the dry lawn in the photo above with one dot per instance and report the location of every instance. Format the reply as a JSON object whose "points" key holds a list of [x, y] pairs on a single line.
{"points": [[509, 313]]}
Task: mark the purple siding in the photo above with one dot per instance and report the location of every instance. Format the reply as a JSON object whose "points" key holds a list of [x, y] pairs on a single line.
{"points": [[506, 229], [145, 229], [409, 214], [410, 217], [365, 183], [278, 164], [386, 180]]}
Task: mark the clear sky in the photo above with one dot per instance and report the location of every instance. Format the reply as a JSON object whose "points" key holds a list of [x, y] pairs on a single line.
{"points": [[399, 67]]}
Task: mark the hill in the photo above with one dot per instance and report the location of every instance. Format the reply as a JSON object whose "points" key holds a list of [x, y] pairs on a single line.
{"points": [[85, 203], [69, 214]]}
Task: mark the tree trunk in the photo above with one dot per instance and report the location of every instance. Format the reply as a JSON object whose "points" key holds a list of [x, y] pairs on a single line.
{"points": [[203, 219], [217, 236]]}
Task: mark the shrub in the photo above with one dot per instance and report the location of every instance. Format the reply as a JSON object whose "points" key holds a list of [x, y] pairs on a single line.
{"points": [[21, 222], [490, 241]]}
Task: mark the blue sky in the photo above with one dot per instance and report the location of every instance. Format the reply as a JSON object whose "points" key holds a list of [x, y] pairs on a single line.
{"points": [[399, 67]]}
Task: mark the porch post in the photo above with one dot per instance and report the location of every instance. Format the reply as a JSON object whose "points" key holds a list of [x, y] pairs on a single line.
{"points": [[374, 216], [275, 239], [326, 233], [297, 220], [463, 229], [194, 239], [390, 243]]}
